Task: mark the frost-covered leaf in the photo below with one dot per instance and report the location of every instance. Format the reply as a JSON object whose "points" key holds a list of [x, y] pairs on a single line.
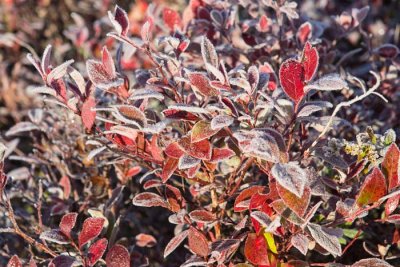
{"points": [[78, 79], [221, 154], [45, 62], [119, 20], [145, 94], [310, 61], [289, 8], [202, 130], [311, 107], [290, 176], [88, 115], [253, 77], [96, 251], [280, 207], [91, 228], [170, 165], [62, 261], [198, 242], [221, 121], [391, 166], [130, 115], [291, 75], [242, 83], [244, 197], [67, 223], [328, 82], [102, 74], [188, 108], [304, 32], [202, 84], [255, 249], [199, 150], [59, 71], [208, 52], [145, 31], [373, 188], [261, 217], [55, 236], [324, 239], [21, 127], [202, 216], [187, 162], [297, 204], [371, 262], [175, 242], [216, 72], [148, 199], [118, 256], [300, 242]]}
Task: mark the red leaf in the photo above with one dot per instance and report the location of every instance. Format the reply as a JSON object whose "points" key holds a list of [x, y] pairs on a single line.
{"points": [[96, 251], [390, 166], [173, 150], [298, 205], [257, 200], [255, 250], [304, 32], [66, 184], [118, 256], [202, 216], [147, 199], [108, 61], [67, 223], [14, 262], [198, 242], [175, 242], [171, 164], [91, 229], [88, 115], [246, 194], [155, 150], [171, 18], [310, 60], [144, 240], [202, 84], [179, 115], [221, 154], [263, 23], [291, 76], [373, 188], [199, 150]]}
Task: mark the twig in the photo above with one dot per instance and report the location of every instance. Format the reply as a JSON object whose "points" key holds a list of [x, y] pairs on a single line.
{"points": [[19, 232], [346, 104]]}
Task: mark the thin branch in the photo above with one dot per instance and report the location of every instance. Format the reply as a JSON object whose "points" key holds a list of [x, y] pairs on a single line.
{"points": [[346, 104]]}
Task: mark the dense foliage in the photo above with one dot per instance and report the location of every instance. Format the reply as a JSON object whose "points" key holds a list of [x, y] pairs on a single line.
{"points": [[229, 133]]}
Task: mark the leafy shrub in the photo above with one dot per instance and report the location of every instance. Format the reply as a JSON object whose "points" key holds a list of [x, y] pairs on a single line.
{"points": [[228, 123]]}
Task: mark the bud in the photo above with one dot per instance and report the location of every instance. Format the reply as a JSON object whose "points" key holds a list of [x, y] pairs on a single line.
{"points": [[389, 137]]}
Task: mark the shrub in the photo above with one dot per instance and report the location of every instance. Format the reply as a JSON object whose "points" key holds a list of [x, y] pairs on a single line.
{"points": [[238, 121]]}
